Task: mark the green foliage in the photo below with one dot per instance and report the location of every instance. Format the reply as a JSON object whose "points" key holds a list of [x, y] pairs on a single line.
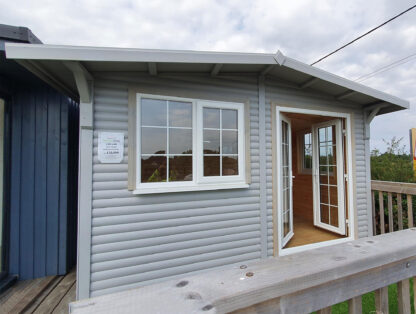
{"points": [[394, 165]]}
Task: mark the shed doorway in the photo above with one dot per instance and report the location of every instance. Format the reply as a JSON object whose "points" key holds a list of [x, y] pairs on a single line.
{"points": [[311, 180]]}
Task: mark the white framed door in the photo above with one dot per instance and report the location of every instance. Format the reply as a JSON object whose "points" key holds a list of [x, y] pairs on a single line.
{"points": [[285, 179], [328, 176]]}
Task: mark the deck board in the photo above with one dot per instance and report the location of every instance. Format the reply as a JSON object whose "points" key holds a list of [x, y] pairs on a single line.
{"points": [[14, 294], [63, 306], [57, 294], [43, 295]]}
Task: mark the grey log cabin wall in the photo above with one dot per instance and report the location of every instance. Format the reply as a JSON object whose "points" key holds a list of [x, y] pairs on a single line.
{"points": [[138, 240]]}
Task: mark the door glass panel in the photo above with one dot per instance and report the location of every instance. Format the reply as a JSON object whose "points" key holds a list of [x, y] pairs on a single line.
{"points": [[286, 193], [328, 175]]}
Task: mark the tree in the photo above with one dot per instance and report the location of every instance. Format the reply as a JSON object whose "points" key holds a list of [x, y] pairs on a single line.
{"points": [[394, 165]]}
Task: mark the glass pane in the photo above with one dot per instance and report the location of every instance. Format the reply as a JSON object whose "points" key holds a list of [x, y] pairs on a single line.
{"points": [[229, 119], [153, 169], [307, 139], [333, 195], [229, 142], [331, 157], [308, 162], [284, 132], [154, 140], [180, 114], [322, 135], [180, 141], [153, 112], [211, 141], [211, 166], [286, 223], [211, 118], [180, 168], [323, 160], [324, 194], [332, 175], [229, 166], [323, 175], [324, 213], [330, 131], [334, 216]]}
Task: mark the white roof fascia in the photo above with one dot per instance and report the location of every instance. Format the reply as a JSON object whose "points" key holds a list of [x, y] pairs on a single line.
{"points": [[76, 53], [335, 79], [57, 52]]}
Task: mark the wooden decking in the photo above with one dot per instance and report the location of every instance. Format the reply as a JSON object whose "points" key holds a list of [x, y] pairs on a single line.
{"points": [[44, 295]]}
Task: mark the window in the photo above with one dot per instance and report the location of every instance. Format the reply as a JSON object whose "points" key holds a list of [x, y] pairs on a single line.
{"points": [[187, 144], [305, 152]]}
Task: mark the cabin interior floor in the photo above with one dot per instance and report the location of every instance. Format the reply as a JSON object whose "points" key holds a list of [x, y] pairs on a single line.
{"points": [[306, 233]]}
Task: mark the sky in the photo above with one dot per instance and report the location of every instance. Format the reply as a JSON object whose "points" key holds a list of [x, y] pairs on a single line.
{"points": [[304, 30]]}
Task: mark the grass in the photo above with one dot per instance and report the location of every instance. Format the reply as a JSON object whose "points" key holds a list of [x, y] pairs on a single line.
{"points": [[369, 302]]}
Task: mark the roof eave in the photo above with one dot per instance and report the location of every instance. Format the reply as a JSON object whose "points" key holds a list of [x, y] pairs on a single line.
{"points": [[73, 53]]}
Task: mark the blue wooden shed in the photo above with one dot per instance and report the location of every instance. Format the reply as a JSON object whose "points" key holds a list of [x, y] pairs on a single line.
{"points": [[38, 168]]}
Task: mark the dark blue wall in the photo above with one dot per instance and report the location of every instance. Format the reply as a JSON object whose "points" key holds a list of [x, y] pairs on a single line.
{"points": [[44, 178]]}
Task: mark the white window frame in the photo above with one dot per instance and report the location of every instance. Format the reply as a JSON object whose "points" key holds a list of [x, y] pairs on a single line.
{"points": [[199, 182], [241, 143]]}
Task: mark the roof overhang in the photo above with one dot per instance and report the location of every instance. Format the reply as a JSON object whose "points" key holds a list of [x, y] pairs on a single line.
{"points": [[48, 62]]}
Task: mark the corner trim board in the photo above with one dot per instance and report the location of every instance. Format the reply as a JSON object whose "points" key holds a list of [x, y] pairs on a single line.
{"points": [[263, 176]]}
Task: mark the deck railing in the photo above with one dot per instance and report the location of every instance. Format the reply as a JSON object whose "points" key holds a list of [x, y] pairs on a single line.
{"points": [[303, 282], [393, 205]]}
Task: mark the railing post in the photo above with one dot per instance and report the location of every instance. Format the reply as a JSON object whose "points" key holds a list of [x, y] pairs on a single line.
{"points": [[373, 206], [382, 300], [400, 211], [355, 305], [381, 203], [403, 295], [410, 210], [390, 207]]}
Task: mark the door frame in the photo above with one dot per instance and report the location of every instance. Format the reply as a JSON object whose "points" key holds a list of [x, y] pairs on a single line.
{"points": [[277, 109]]}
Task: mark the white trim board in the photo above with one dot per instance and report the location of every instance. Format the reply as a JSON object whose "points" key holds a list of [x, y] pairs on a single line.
{"points": [[350, 201]]}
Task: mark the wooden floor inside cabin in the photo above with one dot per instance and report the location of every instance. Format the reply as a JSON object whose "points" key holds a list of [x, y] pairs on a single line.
{"points": [[307, 233], [43, 295]]}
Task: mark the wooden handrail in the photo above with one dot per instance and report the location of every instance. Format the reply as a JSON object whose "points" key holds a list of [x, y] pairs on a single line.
{"points": [[299, 283], [394, 187]]}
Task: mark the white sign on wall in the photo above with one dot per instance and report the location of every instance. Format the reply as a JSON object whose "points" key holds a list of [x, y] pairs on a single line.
{"points": [[110, 147]]}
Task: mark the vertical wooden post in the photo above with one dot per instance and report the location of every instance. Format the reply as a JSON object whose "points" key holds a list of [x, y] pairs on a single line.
{"points": [[355, 305], [410, 210], [326, 310], [400, 211], [381, 203], [390, 207], [373, 206], [382, 300], [403, 295]]}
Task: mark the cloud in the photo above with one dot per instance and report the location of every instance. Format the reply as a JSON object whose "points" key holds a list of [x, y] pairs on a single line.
{"points": [[305, 30]]}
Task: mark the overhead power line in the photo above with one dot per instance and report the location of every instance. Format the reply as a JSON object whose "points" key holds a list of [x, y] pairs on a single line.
{"points": [[365, 34], [386, 67]]}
